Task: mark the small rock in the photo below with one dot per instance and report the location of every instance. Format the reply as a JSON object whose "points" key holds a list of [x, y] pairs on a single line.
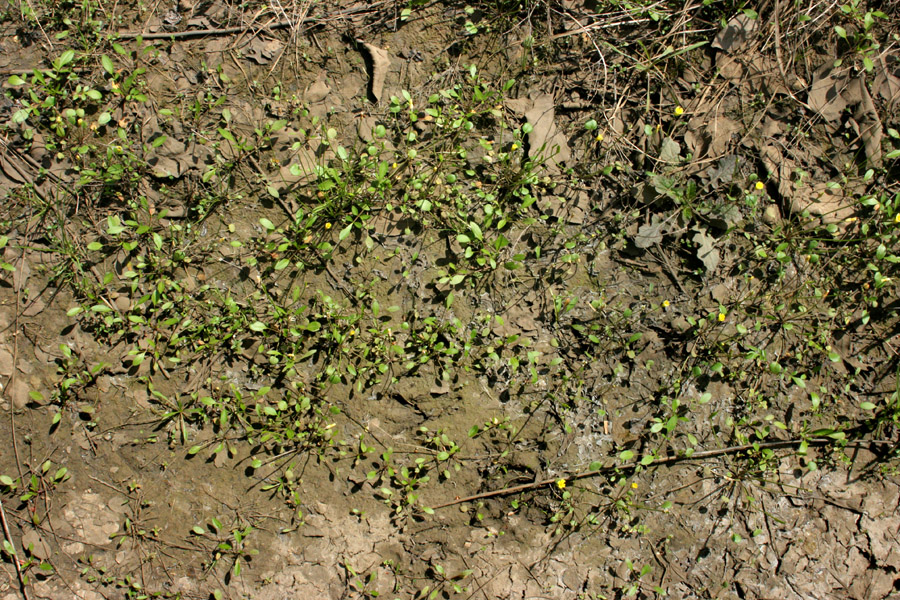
{"points": [[317, 91], [123, 303], [680, 324], [771, 216], [6, 362], [36, 543], [20, 394]]}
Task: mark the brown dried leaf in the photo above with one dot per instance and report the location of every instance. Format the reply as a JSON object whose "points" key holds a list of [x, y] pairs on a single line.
{"points": [[739, 29], [831, 92], [381, 62], [649, 234], [545, 138], [706, 250], [887, 83]]}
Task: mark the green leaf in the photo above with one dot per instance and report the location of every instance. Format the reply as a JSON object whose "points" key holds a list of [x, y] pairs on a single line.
{"points": [[108, 65], [114, 225], [94, 246], [159, 141], [94, 95], [198, 530], [7, 481], [273, 191], [595, 466], [226, 134], [15, 80], [427, 510], [626, 455], [267, 224], [345, 232], [194, 450], [65, 58], [867, 406], [257, 326], [74, 311], [282, 264]]}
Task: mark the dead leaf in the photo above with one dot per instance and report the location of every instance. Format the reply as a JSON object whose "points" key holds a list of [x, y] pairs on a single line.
{"points": [[870, 128], [706, 250], [381, 62], [519, 106], [650, 234], [670, 151], [215, 49], [545, 138], [710, 133], [827, 94], [262, 51], [831, 94], [887, 84], [738, 30], [819, 199], [724, 170], [168, 159]]}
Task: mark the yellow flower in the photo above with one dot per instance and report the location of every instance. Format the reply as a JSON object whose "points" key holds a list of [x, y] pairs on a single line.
{"points": [[394, 166], [561, 484], [721, 317], [327, 225], [599, 137], [679, 111], [514, 147], [634, 485], [760, 185], [665, 304], [897, 218]]}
